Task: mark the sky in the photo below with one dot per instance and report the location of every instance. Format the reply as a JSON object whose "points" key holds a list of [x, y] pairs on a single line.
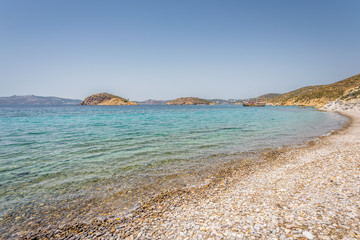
{"points": [[153, 49]]}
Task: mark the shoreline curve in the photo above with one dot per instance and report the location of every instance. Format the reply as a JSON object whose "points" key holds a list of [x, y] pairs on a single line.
{"points": [[165, 207]]}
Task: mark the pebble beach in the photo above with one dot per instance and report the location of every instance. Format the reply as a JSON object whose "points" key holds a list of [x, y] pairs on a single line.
{"points": [[311, 192]]}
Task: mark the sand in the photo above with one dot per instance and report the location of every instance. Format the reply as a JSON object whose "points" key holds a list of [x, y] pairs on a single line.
{"points": [[311, 192]]}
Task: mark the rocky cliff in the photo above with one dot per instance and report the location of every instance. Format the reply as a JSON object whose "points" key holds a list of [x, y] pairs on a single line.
{"points": [[349, 101], [106, 99], [340, 105], [318, 96], [190, 101]]}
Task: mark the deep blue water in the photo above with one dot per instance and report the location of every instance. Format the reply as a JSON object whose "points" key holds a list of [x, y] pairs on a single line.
{"points": [[51, 155]]}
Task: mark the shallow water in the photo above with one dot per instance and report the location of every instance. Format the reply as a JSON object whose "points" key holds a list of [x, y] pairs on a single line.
{"points": [[80, 161]]}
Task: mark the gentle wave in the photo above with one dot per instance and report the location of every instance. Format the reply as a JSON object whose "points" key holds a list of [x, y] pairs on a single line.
{"points": [[75, 156]]}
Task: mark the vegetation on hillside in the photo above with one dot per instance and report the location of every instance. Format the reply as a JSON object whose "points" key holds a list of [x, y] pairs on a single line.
{"points": [[319, 95]]}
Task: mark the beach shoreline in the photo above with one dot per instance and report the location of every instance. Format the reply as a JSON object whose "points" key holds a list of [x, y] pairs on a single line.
{"points": [[239, 201]]}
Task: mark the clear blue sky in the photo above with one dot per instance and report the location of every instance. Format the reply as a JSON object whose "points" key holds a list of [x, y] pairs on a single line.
{"points": [[168, 49]]}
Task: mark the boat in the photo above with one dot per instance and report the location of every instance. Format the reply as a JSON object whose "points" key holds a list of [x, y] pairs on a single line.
{"points": [[253, 104]]}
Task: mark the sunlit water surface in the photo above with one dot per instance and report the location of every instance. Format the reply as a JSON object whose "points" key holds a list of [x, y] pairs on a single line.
{"points": [[80, 161]]}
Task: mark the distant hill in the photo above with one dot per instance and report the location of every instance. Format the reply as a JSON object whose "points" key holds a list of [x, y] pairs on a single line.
{"points": [[37, 100], [152, 102], [190, 101], [223, 101], [319, 95], [269, 95], [164, 102], [261, 98], [106, 99]]}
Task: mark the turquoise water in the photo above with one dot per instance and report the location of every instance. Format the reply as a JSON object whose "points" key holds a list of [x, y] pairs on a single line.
{"points": [[81, 160]]}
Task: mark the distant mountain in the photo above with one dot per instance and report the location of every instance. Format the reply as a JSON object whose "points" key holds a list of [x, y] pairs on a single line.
{"points": [[106, 99], [37, 100], [152, 102], [190, 101], [319, 95]]}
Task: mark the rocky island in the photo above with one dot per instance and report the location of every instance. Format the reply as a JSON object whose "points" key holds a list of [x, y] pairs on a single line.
{"points": [[106, 99], [190, 101]]}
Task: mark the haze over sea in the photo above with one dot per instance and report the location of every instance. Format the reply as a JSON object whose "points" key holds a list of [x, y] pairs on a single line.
{"points": [[71, 162]]}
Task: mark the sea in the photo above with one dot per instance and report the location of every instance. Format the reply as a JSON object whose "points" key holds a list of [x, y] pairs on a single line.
{"points": [[74, 163]]}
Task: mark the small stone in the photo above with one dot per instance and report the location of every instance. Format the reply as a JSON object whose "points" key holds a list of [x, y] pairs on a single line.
{"points": [[308, 235], [325, 238]]}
